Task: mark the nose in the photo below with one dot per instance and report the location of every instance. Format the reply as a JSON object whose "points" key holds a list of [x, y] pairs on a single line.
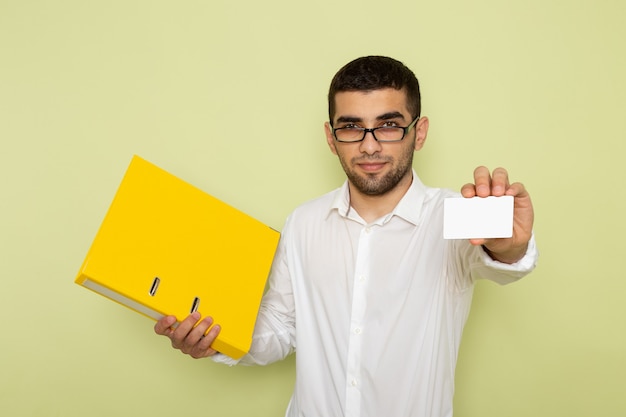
{"points": [[369, 144]]}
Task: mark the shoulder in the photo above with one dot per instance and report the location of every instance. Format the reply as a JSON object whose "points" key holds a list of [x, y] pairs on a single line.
{"points": [[424, 205], [322, 203], [433, 200], [314, 210], [424, 196], [435, 197], [439, 194]]}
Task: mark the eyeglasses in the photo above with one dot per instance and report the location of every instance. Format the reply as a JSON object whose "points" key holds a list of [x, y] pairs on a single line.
{"points": [[381, 134]]}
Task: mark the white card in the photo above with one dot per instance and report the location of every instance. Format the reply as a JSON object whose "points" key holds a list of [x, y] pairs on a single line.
{"points": [[478, 217]]}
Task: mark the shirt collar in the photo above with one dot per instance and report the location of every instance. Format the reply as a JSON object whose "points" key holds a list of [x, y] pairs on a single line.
{"points": [[409, 208], [341, 202]]}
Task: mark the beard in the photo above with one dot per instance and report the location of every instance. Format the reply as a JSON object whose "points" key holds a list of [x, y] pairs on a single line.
{"points": [[377, 184]]}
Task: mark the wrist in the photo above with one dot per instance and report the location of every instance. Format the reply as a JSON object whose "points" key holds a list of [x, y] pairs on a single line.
{"points": [[510, 256]]}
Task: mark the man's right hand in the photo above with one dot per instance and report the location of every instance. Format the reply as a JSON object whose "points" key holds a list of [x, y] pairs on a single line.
{"points": [[190, 336]]}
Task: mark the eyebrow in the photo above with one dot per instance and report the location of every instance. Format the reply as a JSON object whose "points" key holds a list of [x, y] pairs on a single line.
{"points": [[391, 115], [385, 116]]}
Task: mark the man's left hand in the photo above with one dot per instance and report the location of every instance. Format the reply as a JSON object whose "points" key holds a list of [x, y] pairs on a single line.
{"points": [[507, 250]]}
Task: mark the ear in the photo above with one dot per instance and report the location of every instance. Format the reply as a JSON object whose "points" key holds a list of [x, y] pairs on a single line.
{"points": [[330, 138], [421, 131]]}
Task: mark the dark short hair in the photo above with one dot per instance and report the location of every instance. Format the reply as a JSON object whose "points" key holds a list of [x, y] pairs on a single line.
{"points": [[373, 73]]}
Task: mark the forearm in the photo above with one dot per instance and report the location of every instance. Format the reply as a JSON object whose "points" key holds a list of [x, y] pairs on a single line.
{"points": [[273, 339], [505, 272]]}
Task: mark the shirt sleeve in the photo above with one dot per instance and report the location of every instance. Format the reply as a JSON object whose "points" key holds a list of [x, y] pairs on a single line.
{"points": [[274, 332], [473, 263], [502, 273]]}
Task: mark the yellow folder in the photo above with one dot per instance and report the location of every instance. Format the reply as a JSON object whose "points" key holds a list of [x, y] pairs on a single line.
{"points": [[166, 247]]}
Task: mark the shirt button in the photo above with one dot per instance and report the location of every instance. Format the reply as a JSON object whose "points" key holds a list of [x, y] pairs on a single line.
{"points": [[362, 278], [353, 383], [368, 229], [357, 330]]}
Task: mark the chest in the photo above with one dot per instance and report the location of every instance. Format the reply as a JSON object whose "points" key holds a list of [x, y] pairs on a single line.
{"points": [[381, 263]]}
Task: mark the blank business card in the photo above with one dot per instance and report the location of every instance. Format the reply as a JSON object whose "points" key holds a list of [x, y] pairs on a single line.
{"points": [[478, 217]]}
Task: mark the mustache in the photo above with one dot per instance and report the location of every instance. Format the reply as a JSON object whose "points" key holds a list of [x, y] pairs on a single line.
{"points": [[371, 158]]}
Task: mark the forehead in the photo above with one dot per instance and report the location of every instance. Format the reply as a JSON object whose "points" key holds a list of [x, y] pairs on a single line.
{"points": [[368, 105]]}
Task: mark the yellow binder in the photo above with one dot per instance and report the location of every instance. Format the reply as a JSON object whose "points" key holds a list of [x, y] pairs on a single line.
{"points": [[166, 247]]}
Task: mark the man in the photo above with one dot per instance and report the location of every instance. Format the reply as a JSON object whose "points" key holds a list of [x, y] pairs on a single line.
{"points": [[363, 284]]}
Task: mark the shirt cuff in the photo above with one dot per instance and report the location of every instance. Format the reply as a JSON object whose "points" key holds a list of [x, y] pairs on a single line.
{"points": [[226, 360], [526, 264]]}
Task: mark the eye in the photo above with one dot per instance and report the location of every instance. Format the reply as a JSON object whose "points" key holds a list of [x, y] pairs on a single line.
{"points": [[389, 123], [349, 126]]}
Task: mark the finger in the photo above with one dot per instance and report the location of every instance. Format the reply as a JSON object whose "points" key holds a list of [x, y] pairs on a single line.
{"points": [[182, 330], [163, 326], [478, 242], [196, 334], [499, 182], [468, 190], [203, 348], [517, 189], [482, 181]]}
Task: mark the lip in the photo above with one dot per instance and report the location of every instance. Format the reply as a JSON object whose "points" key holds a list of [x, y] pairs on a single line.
{"points": [[371, 166]]}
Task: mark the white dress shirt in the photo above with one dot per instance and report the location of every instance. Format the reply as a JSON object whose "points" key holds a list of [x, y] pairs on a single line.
{"points": [[373, 311]]}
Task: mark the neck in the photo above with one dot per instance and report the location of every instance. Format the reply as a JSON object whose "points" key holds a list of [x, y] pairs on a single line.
{"points": [[372, 207]]}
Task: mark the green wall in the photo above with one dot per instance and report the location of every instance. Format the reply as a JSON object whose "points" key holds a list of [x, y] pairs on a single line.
{"points": [[231, 97]]}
